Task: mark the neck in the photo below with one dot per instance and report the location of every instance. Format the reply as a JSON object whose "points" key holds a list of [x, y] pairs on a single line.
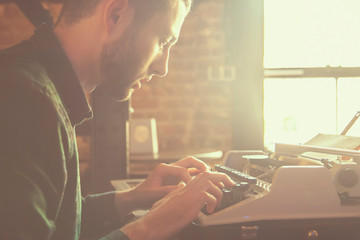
{"points": [[82, 47]]}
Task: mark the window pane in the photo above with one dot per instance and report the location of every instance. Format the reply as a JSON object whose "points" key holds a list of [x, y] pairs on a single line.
{"points": [[349, 104], [311, 33], [295, 110]]}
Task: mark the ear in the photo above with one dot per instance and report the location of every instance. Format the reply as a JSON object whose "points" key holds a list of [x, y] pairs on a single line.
{"points": [[114, 12]]}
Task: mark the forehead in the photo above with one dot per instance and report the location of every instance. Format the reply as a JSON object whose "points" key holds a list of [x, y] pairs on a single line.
{"points": [[167, 22]]}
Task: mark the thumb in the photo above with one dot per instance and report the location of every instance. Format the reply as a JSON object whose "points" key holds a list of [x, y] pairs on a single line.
{"points": [[177, 188], [171, 190], [162, 191]]}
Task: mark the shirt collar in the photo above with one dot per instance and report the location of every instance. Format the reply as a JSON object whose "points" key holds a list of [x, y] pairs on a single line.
{"points": [[60, 71]]}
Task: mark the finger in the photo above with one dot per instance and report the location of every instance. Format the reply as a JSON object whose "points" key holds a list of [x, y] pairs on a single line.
{"points": [[181, 185], [220, 185], [211, 203], [169, 170], [217, 193], [194, 171], [219, 179], [192, 162]]}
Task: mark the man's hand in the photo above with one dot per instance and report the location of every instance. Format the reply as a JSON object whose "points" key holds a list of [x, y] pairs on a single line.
{"points": [[180, 207], [161, 181], [165, 179]]}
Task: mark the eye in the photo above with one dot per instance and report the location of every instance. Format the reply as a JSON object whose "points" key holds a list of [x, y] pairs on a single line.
{"points": [[163, 44]]}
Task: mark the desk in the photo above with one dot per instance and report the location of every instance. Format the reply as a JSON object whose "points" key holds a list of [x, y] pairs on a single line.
{"points": [[142, 164]]}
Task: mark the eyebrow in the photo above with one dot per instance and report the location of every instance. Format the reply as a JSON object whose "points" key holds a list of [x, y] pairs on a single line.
{"points": [[169, 35], [170, 39]]}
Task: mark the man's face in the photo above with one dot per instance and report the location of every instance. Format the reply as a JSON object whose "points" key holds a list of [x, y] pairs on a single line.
{"points": [[140, 53]]}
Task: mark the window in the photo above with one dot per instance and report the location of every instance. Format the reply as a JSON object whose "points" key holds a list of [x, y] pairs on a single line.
{"points": [[312, 68], [311, 33]]}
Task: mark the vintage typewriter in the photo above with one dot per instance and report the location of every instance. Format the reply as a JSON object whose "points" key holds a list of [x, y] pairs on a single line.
{"points": [[295, 192]]}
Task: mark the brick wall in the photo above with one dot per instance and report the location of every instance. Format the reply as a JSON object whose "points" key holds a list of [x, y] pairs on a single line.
{"points": [[192, 112], [15, 27]]}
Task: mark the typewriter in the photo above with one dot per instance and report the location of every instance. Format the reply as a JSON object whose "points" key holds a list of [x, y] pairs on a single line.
{"points": [[296, 192]]}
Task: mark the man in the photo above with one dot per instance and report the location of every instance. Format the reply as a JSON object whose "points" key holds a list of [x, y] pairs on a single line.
{"points": [[115, 45]]}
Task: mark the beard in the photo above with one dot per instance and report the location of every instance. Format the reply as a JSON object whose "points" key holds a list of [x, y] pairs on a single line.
{"points": [[119, 65]]}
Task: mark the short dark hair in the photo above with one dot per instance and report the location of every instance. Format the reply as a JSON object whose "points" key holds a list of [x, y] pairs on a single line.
{"points": [[75, 10]]}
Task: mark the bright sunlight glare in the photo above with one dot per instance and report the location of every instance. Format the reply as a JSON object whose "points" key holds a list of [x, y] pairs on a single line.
{"points": [[310, 33]]}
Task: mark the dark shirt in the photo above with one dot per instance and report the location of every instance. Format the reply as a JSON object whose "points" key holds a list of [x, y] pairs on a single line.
{"points": [[41, 102]]}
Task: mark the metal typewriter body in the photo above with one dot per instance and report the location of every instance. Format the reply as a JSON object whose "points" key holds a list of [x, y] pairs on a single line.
{"points": [[284, 190]]}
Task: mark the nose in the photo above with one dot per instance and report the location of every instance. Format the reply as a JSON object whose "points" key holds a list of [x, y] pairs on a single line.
{"points": [[160, 64]]}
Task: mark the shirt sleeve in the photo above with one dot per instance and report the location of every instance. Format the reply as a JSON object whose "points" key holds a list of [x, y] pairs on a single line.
{"points": [[116, 235], [32, 170], [99, 215]]}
